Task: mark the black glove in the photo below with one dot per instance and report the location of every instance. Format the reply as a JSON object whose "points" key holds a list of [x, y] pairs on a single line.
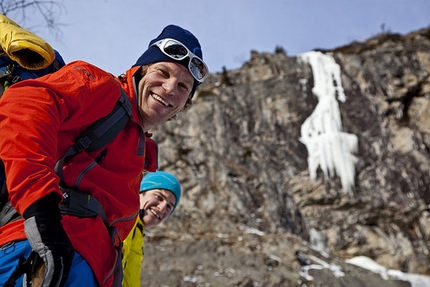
{"points": [[47, 237]]}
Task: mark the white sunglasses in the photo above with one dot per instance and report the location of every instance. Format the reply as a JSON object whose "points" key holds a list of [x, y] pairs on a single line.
{"points": [[178, 51]]}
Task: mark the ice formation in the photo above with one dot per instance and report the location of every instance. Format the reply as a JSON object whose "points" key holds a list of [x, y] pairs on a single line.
{"points": [[329, 148]]}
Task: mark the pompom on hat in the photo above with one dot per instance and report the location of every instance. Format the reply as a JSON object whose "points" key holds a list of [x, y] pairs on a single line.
{"points": [[162, 180], [153, 54]]}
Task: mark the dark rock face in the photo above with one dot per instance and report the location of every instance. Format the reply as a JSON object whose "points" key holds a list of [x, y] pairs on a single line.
{"points": [[250, 206]]}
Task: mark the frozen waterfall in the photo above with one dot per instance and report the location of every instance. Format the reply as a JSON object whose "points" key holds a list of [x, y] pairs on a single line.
{"points": [[329, 148]]}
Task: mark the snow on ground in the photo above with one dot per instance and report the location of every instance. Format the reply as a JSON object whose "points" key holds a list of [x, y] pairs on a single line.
{"points": [[364, 262], [367, 263], [320, 264]]}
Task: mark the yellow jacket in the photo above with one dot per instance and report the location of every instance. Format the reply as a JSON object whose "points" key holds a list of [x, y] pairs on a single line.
{"points": [[132, 252], [23, 46]]}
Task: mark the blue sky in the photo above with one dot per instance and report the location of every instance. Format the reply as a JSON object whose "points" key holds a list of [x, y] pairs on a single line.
{"points": [[112, 34]]}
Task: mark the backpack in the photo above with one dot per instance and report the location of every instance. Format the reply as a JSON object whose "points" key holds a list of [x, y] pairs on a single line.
{"points": [[11, 72]]}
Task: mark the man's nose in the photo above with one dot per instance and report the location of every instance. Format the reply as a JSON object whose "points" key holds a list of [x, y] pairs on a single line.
{"points": [[170, 86], [163, 207]]}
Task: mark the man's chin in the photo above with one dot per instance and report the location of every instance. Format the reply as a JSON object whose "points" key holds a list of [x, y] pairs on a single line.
{"points": [[150, 221]]}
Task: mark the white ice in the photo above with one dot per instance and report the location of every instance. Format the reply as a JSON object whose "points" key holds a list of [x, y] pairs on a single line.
{"points": [[329, 148]]}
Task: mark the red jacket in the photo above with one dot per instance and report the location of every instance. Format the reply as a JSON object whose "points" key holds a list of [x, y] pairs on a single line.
{"points": [[39, 120]]}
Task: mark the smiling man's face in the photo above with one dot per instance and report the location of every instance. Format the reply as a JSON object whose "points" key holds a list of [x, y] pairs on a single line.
{"points": [[156, 205], [163, 92]]}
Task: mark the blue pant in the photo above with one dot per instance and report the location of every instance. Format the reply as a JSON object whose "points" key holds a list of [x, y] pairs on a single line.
{"points": [[80, 272]]}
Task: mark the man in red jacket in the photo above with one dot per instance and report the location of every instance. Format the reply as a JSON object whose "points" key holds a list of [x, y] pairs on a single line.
{"points": [[39, 121]]}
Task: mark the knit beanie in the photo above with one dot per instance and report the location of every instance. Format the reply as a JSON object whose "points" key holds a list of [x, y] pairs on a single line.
{"points": [[162, 180], [153, 54]]}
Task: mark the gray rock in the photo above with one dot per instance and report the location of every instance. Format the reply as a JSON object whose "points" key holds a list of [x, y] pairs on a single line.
{"points": [[249, 203]]}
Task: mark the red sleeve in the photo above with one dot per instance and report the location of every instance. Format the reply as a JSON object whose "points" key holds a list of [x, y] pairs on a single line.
{"points": [[32, 115]]}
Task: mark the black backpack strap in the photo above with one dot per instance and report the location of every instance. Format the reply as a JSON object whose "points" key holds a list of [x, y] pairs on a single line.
{"points": [[100, 133], [79, 203], [105, 129], [55, 66], [8, 214]]}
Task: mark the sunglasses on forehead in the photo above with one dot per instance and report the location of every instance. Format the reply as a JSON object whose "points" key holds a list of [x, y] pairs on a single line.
{"points": [[178, 51]]}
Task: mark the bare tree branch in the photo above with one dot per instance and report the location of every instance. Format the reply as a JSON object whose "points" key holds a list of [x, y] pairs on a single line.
{"points": [[48, 11]]}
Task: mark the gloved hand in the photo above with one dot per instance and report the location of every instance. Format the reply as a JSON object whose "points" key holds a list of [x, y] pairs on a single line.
{"points": [[47, 237]]}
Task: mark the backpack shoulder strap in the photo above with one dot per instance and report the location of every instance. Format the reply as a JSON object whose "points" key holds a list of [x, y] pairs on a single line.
{"points": [[11, 72], [100, 133], [104, 130]]}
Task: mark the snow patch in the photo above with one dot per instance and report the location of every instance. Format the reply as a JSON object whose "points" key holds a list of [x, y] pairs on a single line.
{"points": [[367, 263], [319, 265]]}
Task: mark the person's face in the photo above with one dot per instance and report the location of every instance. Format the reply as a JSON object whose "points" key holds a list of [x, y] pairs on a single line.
{"points": [[163, 92], [156, 205]]}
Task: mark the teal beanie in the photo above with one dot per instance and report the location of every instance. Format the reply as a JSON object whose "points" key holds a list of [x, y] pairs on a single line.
{"points": [[162, 180]]}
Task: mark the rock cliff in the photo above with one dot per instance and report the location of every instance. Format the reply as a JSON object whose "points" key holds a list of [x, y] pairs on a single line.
{"points": [[271, 201]]}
